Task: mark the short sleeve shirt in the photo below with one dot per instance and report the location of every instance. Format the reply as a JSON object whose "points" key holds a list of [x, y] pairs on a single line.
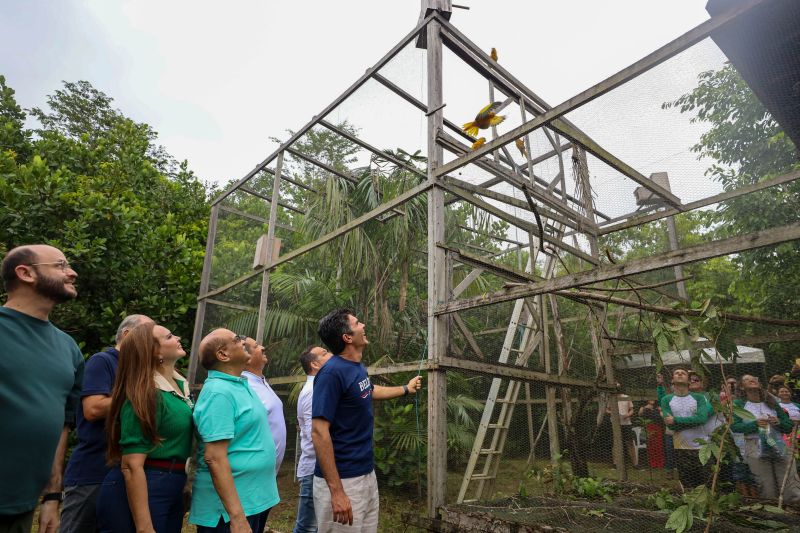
{"points": [[42, 371], [228, 409], [343, 397], [87, 464], [274, 407], [173, 425]]}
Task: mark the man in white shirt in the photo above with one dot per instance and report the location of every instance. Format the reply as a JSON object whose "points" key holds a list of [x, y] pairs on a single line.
{"points": [[311, 360], [254, 372], [628, 437]]}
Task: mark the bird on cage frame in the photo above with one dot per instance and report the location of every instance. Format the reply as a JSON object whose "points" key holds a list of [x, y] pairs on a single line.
{"points": [[485, 119]]}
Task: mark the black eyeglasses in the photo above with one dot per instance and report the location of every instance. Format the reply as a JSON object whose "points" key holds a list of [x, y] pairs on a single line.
{"points": [[63, 264]]}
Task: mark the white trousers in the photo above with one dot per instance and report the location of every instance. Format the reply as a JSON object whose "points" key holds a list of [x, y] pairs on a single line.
{"points": [[363, 494]]}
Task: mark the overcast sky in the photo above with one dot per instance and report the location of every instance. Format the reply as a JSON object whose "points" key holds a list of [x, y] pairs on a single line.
{"points": [[216, 80]]}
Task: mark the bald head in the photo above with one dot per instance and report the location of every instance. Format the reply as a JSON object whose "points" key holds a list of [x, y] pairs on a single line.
{"points": [[210, 345], [223, 350]]}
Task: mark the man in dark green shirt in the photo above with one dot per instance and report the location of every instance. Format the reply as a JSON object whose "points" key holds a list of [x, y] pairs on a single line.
{"points": [[41, 369]]}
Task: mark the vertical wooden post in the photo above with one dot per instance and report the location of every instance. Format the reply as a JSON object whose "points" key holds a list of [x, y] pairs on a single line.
{"points": [[205, 283], [672, 233], [437, 286], [549, 391], [273, 217], [600, 345]]}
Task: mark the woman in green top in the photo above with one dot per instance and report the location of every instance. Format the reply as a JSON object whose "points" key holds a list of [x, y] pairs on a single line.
{"points": [[150, 434]]}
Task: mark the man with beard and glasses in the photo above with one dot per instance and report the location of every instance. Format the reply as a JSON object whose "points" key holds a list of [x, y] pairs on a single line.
{"points": [[41, 369]]}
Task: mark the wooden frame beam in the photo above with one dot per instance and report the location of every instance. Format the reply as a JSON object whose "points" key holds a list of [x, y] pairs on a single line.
{"points": [[650, 61], [717, 198], [519, 373], [522, 224], [266, 197], [421, 26], [732, 245], [581, 223], [365, 145], [338, 232], [510, 162], [509, 200]]}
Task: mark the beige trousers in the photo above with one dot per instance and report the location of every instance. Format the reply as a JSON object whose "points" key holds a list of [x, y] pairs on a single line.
{"points": [[363, 494]]}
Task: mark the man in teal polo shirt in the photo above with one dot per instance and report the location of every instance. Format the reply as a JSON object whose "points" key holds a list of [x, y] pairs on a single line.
{"points": [[235, 485], [41, 369]]}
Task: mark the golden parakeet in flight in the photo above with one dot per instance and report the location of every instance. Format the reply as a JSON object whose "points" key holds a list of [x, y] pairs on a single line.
{"points": [[521, 147], [484, 119]]}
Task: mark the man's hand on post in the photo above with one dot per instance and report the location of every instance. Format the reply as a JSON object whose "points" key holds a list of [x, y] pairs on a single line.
{"points": [[415, 384], [342, 509]]}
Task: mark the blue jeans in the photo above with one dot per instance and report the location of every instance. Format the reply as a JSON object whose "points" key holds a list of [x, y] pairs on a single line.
{"points": [[257, 524], [306, 519], [669, 453], [164, 497]]}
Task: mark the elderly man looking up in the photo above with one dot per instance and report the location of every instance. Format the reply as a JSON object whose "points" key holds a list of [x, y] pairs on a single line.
{"points": [[41, 369], [254, 372], [235, 485], [87, 465]]}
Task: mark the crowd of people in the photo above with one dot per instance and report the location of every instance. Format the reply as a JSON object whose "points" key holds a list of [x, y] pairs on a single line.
{"points": [[146, 452], [684, 418]]}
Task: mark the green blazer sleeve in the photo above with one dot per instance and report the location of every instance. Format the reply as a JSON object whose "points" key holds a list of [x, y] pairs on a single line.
{"points": [[660, 392], [786, 424], [739, 425], [704, 411]]}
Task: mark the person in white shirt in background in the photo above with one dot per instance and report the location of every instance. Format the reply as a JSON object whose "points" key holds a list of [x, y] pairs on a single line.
{"points": [[311, 360], [628, 437], [254, 372]]}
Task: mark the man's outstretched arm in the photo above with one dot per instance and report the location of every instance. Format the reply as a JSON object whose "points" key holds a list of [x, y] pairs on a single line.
{"points": [[387, 393]]}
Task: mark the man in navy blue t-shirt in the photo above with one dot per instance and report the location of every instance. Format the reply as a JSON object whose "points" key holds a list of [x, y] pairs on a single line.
{"points": [[87, 465], [345, 488]]}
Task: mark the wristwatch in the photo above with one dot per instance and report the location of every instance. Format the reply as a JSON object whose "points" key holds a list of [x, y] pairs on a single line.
{"points": [[53, 496], [405, 390]]}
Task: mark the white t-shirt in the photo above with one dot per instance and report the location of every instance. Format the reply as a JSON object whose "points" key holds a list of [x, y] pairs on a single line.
{"points": [[760, 410], [625, 406], [684, 439], [792, 410], [308, 457]]}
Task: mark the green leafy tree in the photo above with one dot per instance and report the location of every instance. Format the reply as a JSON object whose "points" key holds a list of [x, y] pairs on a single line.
{"points": [[93, 182], [747, 146]]}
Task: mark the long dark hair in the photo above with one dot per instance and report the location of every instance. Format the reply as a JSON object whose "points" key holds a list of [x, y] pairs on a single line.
{"points": [[134, 382], [763, 394]]}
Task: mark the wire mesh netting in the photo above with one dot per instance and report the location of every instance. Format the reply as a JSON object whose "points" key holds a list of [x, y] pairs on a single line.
{"points": [[552, 411]]}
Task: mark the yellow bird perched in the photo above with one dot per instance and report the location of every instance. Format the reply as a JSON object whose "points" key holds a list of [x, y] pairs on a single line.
{"points": [[477, 144], [485, 118], [521, 147], [493, 55]]}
